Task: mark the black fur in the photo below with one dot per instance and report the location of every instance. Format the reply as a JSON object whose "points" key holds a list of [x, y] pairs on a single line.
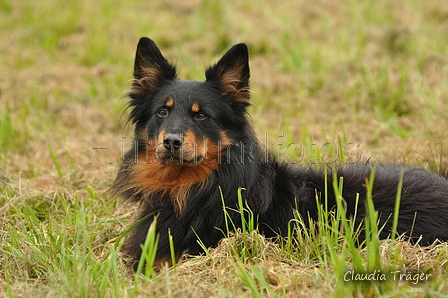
{"points": [[191, 207]]}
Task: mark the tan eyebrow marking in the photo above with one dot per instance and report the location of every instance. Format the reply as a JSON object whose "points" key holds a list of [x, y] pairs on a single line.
{"points": [[195, 108], [169, 102]]}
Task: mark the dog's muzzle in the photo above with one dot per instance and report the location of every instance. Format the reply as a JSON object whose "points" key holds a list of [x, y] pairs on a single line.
{"points": [[173, 142]]}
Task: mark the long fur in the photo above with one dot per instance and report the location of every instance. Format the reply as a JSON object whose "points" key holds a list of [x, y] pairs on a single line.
{"points": [[184, 186]]}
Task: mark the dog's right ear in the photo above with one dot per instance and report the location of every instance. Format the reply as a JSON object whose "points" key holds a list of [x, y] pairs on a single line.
{"points": [[150, 67], [232, 74]]}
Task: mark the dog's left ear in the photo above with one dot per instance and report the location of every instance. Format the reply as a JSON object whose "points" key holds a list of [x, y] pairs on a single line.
{"points": [[150, 67], [232, 74]]}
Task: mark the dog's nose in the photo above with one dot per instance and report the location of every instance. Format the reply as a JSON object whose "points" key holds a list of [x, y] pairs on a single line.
{"points": [[173, 142]]}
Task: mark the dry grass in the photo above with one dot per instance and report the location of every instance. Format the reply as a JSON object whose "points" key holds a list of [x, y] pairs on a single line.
{"points": [[371, 73], [220, 271]]}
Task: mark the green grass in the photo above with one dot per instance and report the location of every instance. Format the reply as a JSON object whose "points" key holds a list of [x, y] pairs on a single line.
{"points": [[344, 81]]}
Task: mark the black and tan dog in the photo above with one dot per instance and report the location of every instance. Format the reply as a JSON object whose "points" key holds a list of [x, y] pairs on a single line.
{"points": [[194, 146]]}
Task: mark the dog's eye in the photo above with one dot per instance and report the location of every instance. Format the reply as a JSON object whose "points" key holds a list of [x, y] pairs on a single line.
{"points": [[200, 116], [162, 113]]}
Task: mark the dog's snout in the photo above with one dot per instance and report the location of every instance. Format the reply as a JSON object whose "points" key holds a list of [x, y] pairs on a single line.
{"points": [[173, 142]]}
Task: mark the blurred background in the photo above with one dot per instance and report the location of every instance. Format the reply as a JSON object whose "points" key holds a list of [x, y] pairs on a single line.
{"points": [[370, 73]]}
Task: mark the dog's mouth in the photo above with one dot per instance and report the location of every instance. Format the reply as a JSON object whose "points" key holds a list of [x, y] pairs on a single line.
{"points": [[171, 149], [178, 158], [183, 154]]}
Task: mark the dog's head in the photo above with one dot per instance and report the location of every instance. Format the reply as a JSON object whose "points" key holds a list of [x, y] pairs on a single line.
{"points": [[188, 122]]}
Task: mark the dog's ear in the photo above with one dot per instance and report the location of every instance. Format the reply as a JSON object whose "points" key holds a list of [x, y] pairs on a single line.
{"points": [[150, 66], [151, 70], [232, 74]]}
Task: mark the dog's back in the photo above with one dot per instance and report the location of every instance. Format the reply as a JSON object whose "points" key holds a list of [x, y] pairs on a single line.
{"points": [[423, 200]]}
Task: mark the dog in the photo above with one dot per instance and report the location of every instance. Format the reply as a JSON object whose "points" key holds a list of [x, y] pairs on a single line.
{"points": [[195, 149]]}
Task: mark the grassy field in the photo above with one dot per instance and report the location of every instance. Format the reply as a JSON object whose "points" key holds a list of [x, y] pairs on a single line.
{"points": [[368, 77]]}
